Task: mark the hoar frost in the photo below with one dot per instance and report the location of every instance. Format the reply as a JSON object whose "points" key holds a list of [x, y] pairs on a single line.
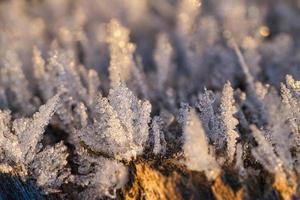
{"points": [[114, 77]]}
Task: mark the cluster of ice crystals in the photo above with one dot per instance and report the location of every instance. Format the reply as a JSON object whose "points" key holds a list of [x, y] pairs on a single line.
{"points": [[15, 83], [55, 51], [21, 144], [120, 126], [49, 168], [100, 176]]}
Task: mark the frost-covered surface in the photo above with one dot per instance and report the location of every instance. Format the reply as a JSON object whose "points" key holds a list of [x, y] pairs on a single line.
{"points": [[90, 89]]}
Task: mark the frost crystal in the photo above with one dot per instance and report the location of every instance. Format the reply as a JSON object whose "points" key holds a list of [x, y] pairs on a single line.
{"points": [[121, 61], [99, 63], [78, 86], [290, 94], [207, 115], [20, 142], [110, 175], [239, 165], [101, 176], [277, 132], [163, 60], [158, 136], [196, 148], [29, 131], [120, 126], [186, 16], [49, 169], [187, 13], [8, 141], [16, 84], [229, 122], [264, 152]]}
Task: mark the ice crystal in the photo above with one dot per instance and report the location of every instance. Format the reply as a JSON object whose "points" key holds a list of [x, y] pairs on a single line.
{"points": [[159, 145], [264, 152], [29, 131], [120, 125], [163, 59], [291, 98], [187, 13], [207, 114], [196, 148], [121, 61], [239, 162], [229, 122], [16, 84], [77, 85], [49, 169], [101, 176], [21, 144]]}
